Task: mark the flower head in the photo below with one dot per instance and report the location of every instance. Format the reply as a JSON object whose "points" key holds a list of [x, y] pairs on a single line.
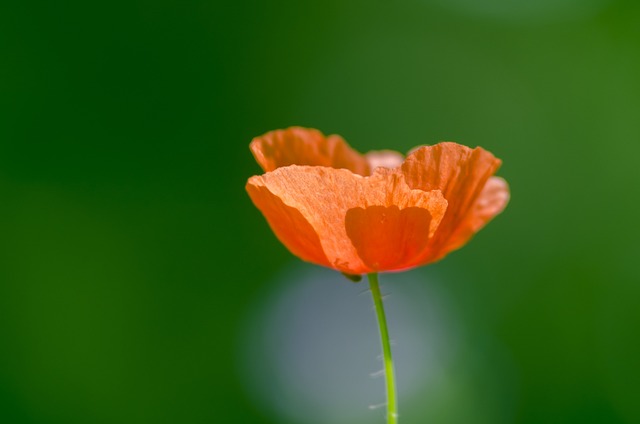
{"points": [[333, 206]]}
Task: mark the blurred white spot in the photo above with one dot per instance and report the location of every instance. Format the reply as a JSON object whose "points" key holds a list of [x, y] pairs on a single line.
{"points": [[310, 348]]}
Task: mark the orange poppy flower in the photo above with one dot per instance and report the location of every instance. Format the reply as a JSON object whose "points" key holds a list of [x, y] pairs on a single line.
{"points": [[358, 214]]}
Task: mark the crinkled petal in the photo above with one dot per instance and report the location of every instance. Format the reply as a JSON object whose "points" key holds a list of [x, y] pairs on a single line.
{"points": [[306, 146], [364, 224], [388, 238], [461, 173], [492, 200], [292, 229]]}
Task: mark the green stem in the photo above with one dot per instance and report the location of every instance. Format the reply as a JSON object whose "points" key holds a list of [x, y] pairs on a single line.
{"points": [[389, 373]]}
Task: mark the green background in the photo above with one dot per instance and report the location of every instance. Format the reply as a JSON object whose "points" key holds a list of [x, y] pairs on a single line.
{"points": [[130, 254]]}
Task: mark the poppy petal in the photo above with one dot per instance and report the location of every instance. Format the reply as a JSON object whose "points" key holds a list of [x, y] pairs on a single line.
{"points": [[306, 146], [389, 238], [353, 215], [288, 224], [492, 200], [461, 173]]}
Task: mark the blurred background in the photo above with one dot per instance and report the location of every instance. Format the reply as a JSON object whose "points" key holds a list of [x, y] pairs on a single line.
{"points": [[138, 284]]}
